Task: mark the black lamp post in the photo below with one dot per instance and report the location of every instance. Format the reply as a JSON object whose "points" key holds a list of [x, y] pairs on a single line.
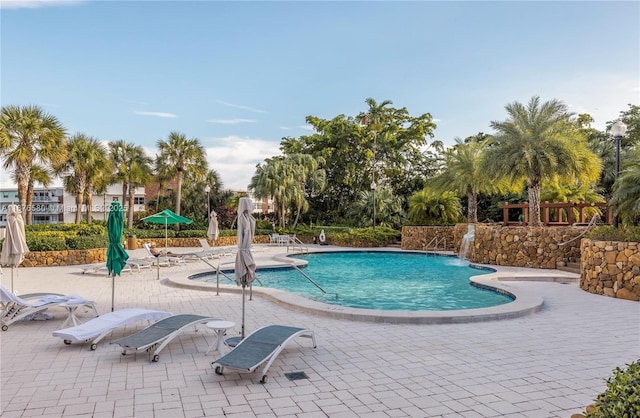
{"points": [[207, 189], [373, 195], [618, 130]]}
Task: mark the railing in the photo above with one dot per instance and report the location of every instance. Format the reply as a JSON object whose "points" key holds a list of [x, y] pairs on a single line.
{"points": [[308, 278], [294, 243], [436, 242]]}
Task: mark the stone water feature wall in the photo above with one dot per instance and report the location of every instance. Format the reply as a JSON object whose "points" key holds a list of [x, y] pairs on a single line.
{"points": [[534, 247], [611, 268], [418, 237], [503, 245]]}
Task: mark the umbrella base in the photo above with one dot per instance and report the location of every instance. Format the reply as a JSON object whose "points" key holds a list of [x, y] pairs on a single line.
{"points": [[233, 341]]}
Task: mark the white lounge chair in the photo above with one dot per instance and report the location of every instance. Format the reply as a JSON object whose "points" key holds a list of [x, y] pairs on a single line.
{"points": [[15, 308], [100, 327], [162, 260], [159, 334], [262, 345], [208, 251]]}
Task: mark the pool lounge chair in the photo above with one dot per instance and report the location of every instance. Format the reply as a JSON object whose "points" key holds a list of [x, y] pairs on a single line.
{"points": [[159, 334], [98, 328], [262, 345], [15, 308], [162, 260]]}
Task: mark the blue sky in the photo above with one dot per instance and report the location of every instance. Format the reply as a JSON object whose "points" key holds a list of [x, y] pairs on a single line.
{"points": [[239, 76]]}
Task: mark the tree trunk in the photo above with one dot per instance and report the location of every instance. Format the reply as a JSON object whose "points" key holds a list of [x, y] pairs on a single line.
{"points": [[130, 211], [89, 205], [78, 207], [124, 192], [29, 211], [534, 204], [472, 216], [179, 193], [23, 174]]}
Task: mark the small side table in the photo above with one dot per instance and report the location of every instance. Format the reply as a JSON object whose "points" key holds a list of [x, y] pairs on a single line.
{"points": [[220, 327], [72, 307]]}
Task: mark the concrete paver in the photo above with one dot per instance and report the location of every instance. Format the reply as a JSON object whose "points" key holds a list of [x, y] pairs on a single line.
{"points": [[551, 363]]}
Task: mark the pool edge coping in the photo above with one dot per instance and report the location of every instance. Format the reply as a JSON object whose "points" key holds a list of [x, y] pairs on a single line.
{"points": [[524, 302]]}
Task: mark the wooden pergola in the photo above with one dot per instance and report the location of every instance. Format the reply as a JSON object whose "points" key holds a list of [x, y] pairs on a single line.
{"points": [[558, 214]]}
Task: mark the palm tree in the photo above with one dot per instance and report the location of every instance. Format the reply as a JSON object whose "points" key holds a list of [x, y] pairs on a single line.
{"points": [[536, 143], [99, 172], [132, 168], [29, 136], [428, 206], [180, 154], [76, 167], [38, 174], [462, 174], [626, 194], [389, 210]]}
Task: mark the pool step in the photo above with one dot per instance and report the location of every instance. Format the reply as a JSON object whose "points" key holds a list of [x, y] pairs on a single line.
{"points": [[571, 267]]}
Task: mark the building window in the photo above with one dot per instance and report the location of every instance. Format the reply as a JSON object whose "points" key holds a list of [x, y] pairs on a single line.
{"points": [[138, 200]]}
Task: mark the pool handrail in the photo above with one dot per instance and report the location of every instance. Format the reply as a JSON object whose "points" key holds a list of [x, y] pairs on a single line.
{"points": [[308, 278]]}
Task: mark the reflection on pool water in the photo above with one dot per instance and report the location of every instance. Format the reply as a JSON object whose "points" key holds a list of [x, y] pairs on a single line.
{"points": [[383, 280]]}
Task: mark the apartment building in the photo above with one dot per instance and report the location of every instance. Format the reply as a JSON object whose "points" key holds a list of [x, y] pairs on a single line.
{"points": [[53, 205]]}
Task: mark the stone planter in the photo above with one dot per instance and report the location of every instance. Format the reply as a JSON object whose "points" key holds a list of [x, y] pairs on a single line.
{"points": [[611, 268]]}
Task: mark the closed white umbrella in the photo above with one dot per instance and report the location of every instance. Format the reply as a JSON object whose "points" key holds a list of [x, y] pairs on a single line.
{"points": [[15, 245], [245, 268], [212, 231]]}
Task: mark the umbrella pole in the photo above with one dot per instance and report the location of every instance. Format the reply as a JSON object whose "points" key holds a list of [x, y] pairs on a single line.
{"points": [[113, 290], [243, 287]]}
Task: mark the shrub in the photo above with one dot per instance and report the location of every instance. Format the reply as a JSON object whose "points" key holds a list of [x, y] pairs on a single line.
{"points": [[192, 233], [46, 242], [621, 399], [149, 233], [610, 233], [86, 243]]}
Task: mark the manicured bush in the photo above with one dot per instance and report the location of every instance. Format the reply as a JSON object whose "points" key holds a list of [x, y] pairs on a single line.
{"points": [[621, 399], [52, 241], [86, 243], [610, 233], [191, 233], [149, 233]]}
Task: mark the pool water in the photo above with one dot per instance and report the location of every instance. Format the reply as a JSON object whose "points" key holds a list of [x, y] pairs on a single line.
{"points": [[384, 280]]}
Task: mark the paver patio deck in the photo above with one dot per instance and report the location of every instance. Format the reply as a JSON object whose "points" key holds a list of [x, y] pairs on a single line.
{"points": [[549, 364]]}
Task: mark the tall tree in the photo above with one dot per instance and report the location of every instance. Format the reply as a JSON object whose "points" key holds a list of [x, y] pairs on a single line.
{"points": [[29, 136], [84, 154], [626, 195], [347, 143], [462, 174], [133, 168], [41, 175], [535, 144], [180, 155], [99, 172]]}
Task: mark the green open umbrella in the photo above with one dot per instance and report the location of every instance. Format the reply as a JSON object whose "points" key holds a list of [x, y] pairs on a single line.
{"points": [[116, 255], [166, 217]]}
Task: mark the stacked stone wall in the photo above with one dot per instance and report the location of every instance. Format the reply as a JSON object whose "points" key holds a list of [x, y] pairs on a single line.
{"points": [[418, 237], [611, 268], [64, 258], [99, 255], [534, 247]]}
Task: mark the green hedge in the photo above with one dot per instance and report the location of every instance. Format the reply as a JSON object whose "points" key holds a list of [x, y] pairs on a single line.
{"points": [[621, 399], [610, 233]]}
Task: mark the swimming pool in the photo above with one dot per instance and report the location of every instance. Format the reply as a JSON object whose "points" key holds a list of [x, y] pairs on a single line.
{"points": [[383, 281]]}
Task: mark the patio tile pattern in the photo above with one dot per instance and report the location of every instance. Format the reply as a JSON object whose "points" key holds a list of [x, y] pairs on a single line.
{"points": [[549, 364]]}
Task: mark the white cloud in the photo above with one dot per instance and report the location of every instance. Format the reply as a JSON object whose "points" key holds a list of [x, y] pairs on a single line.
{"points": [[285, 128], [231, 121], [235, 158], [251, 109], [306, 127], [35, 4], [157, 114]]}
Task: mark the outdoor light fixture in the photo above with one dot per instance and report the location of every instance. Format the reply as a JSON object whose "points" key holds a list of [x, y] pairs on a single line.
{"points": [[373, 195], [207, 189], [618, 130]]}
